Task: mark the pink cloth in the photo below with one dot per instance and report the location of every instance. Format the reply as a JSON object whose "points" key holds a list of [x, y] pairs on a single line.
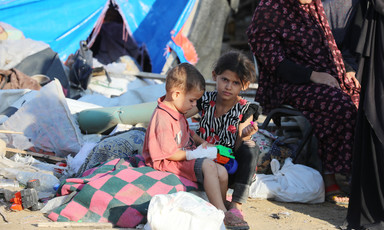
{"points": [[168, 132]]}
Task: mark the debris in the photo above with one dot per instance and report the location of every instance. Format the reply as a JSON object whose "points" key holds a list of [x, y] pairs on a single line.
{"points": [[10, 132], [4, 219], [275, 216], [285, 214], [280, 215], [2, 148], [9, 183], [92, 225], [27, 198], [45, 157]]}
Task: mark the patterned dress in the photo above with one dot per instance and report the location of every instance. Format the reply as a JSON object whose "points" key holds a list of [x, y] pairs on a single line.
{"points": [[223, 130], [285, 29]]}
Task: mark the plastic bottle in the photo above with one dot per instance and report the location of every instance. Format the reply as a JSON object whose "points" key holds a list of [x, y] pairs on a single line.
{"points": [[9, 183], [47, 181]]}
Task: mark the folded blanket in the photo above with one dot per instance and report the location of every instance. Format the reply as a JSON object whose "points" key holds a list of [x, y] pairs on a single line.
{"points": [[119, 145], [118, 192]]}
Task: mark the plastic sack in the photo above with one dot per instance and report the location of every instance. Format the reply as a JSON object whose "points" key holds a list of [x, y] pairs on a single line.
{"points": [[292, 183], [182, 210], [23, 172], [46, 122], [10, 96], [12, 100]]}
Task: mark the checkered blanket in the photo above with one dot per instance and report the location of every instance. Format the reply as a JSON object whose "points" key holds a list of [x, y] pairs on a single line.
{"points": [[118, 192]]}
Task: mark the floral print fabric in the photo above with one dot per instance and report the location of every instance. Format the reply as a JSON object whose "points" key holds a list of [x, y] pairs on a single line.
{"points": [[285, 29], [332, 115]]}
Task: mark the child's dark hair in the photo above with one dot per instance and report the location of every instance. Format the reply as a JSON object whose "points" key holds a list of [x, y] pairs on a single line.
{"points": [[238, 63], [185, 77]]}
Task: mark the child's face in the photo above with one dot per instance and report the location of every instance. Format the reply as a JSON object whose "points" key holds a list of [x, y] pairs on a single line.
{"points": [[186, 101], [228, 85]]}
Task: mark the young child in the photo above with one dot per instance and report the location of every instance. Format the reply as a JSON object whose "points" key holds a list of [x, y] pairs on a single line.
{"points": [[170, 145], [228, 119]]}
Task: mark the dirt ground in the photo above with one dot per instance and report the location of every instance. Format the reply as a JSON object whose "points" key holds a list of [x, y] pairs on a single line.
{"points": [[260, 214], [263, 214]]}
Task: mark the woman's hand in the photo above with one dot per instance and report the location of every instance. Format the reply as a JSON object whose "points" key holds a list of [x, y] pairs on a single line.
{"points": [[351, 76], [324, 78]]}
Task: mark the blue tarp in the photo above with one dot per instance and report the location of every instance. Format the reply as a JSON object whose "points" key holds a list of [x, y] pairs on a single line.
{"points": [[64, 23], [60, 23], [152, 24]]}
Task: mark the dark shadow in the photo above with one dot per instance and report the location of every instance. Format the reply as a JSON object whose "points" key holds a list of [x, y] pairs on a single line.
{"points": [[113, 42]]}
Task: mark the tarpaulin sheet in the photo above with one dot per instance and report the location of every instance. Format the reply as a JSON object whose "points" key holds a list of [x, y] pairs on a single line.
{"points": [[60, 23], [64, 23], [152, 22]]}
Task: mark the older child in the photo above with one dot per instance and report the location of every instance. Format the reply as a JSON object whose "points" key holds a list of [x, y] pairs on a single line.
{"points": [[227, 119], [170, 145]]}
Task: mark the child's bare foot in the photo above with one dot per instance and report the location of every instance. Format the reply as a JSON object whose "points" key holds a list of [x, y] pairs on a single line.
{"points": [[229, 205]]}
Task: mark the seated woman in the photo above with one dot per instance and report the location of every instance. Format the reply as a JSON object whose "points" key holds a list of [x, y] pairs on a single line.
{"points": [[300, 65]]}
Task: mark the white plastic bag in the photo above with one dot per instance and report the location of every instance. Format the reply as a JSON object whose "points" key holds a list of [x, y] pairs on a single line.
{"points": [[182, 210], [46, 122], [293, 183], [23, 172]]}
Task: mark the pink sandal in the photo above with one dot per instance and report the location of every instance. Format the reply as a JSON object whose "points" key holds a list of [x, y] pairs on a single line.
{"points": [[237, 213], [234, 220]]}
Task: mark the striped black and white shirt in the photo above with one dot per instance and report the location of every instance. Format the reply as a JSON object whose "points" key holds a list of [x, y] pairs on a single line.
{"points": [[223, 130]]}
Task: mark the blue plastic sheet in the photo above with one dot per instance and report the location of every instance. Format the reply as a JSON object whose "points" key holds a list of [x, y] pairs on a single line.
{"points": [[60, 23], [64, 23], [151, 23]]}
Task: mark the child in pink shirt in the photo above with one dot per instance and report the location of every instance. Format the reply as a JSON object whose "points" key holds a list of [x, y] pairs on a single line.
{"points": [[170, 145]]}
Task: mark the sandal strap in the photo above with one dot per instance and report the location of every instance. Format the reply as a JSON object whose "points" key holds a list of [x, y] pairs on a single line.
{"points": [[237, 213], [332, 188], [232, 220]]}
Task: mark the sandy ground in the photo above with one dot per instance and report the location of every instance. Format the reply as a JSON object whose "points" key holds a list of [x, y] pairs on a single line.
{"points": [[260, 214], [263, 214]]}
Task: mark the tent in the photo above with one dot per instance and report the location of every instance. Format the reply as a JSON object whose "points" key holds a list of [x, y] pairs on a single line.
{"points": [[155, 26]]}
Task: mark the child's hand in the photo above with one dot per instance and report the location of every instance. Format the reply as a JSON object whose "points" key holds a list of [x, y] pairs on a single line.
{"points": [[249, 130], [206, 144], [200, 152]]}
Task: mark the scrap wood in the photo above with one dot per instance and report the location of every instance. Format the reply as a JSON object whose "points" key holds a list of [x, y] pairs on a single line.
{"points": [[2, 147], [10, 132], [48, 158], [92, 225], [4, 219]]}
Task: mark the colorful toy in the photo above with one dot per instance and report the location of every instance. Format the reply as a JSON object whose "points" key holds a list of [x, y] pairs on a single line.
{"points": [[226, 158], [27, 198]]}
